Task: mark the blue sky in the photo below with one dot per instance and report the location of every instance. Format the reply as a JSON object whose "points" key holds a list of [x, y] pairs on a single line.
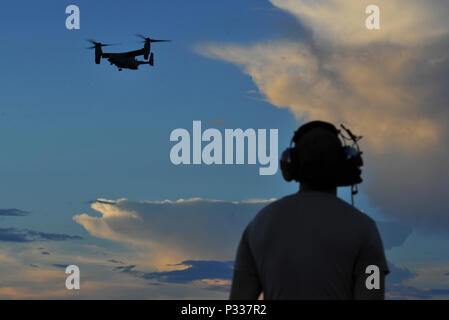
{"points": [[72, 132]]}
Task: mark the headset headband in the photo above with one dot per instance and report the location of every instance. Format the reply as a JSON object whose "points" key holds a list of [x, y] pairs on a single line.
{"points": [[312, 125]]}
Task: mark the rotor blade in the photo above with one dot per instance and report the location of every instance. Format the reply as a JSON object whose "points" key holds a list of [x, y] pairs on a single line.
{"points": [[93, 47], [109, 44], [140, 36], [152, 40], [92, 41]]}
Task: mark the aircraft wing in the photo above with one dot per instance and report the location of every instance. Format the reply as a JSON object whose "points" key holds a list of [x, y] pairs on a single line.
{"points": [[134, 53]]}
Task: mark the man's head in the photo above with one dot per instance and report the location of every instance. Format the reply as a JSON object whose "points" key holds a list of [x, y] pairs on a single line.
{"points": [[318, 158]]}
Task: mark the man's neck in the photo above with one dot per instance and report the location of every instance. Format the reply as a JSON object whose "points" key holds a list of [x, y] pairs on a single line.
{"points": [[306, 188]]}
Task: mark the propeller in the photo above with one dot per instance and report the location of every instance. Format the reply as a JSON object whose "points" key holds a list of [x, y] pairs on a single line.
{"points": [[148, 39], [99, 44]]}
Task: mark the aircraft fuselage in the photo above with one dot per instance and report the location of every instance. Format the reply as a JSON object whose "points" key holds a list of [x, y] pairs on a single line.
{"points": [[125, 62]]}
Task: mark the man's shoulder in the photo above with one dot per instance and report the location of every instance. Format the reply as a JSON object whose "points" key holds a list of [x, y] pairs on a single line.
{"points": [[326, 201], [274, 209], [279, 204], [354, 213]]}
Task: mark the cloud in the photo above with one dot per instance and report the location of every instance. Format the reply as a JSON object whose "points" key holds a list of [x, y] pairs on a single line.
{"points": [[25, 293], [173, 231], [343, 21], [412, 293], [27, 274], [393, 234], [397, 276], [52, 236], [194, 270], [216, 274], [424, 283], [389, 86], [166, 232], [22, 280], [399, 284], [115, 261], [13, 212], [432, 276], [25, 235]]}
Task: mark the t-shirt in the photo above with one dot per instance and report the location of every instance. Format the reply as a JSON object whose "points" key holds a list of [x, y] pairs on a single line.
{"points": [[310, 245]]}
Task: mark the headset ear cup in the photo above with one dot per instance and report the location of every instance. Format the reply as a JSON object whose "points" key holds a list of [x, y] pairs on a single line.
{"points": [[356, 172], [286, 165], [350, 173], [359, 160]]}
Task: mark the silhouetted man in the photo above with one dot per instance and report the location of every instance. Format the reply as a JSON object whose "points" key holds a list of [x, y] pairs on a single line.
{"points": [[312, 245]]}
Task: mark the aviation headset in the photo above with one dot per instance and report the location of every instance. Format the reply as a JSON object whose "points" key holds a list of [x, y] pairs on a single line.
{"points": [[349, 157]]}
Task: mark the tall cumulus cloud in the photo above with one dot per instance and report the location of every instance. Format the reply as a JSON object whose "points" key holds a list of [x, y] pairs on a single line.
{"points": [[388, 85], [173, 231]]}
